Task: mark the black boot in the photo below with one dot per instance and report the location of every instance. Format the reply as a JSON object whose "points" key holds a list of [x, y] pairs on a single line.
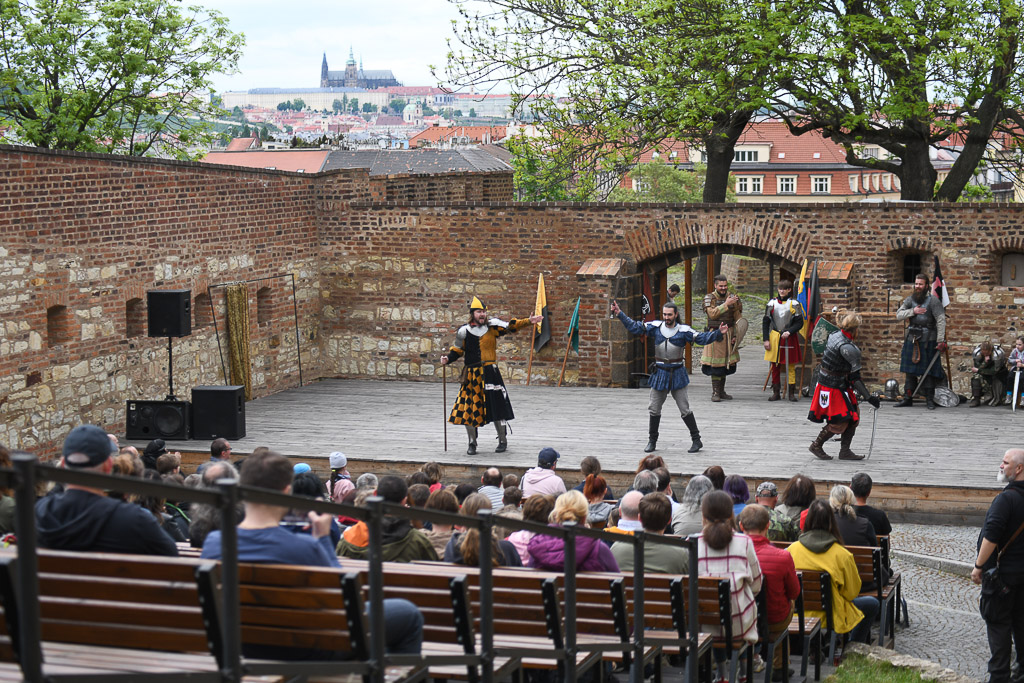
{"points": [[929, 399], [776, 396], [819, 441], [502, 437], [844, 445], [471, 432], [691, 423], [652, 432], [910, 387], [975, 393], [793, 396]]}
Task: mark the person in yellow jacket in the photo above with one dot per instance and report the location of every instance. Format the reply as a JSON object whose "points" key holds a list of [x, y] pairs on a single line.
{"points": [[820, 548]]}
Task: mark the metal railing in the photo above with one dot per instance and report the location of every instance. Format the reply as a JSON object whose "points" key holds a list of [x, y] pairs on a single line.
{"points": [[28, 472]]}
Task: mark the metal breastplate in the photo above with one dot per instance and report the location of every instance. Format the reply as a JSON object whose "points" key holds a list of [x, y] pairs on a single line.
{"points": [[924, 320], [781, 313], [841, 356], [998, 355], [666, 351]]}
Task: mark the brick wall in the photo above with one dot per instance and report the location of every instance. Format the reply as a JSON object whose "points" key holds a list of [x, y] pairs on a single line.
{"points": [[384, 269]]}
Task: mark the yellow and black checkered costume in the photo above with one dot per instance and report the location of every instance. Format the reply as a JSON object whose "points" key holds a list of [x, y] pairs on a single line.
{"points": [[483, 397]]}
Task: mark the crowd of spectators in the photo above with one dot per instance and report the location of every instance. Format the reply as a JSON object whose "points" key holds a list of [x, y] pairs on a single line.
{"points": [[733, 532]]}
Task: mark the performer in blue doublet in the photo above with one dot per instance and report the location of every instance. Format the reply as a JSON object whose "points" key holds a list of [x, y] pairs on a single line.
{"points": [[670, 340]]}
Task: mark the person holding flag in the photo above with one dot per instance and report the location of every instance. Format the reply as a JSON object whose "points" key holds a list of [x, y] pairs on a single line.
{"points": [[483, 397], [670, 340], [925, 339], [783, 319]]}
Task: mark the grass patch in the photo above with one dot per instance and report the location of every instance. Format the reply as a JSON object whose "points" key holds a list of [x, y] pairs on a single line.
{"points": [[857, 668]]}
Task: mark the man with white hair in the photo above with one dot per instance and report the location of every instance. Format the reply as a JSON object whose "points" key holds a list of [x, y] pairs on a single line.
{"points": [[1000, 545]]}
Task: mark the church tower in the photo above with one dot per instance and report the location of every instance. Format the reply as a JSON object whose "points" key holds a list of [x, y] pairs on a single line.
{"points": [[323, 73], [351, 71]]}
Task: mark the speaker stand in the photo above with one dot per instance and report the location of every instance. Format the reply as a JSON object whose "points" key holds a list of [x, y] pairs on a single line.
{"points": [[170, 370]]}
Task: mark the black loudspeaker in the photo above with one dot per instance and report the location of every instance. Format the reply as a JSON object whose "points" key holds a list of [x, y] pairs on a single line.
{"points": [[218, 412], [170, 312], [168, 420]]}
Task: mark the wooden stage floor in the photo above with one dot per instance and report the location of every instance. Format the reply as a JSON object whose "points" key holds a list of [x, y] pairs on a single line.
{"points": [[397, 421]]}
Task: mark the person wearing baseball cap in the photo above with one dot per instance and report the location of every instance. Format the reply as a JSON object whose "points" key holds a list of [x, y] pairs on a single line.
{"points": [[84, 518], [542, 478], [781, 527]]}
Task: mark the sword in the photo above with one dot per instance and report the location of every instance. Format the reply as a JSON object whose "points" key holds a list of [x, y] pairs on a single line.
{"points": [[874, 425], [1016, 388], [786, 383], [926, 371]]}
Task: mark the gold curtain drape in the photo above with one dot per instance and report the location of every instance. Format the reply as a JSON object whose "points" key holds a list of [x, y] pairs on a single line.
{"points": [[238, 336]]}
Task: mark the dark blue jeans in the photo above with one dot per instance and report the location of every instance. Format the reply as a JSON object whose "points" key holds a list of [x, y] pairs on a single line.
{"points": [[861, 633]]}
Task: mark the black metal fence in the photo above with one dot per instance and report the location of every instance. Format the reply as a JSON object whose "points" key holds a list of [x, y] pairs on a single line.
{"points": [[28, 472]]}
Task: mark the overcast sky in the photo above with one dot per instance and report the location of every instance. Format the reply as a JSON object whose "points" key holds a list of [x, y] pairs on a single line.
{"points": [[285, 41]]}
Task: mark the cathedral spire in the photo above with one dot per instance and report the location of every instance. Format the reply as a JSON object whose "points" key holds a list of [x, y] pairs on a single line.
{"points": [[351, 57], [323, 72]]}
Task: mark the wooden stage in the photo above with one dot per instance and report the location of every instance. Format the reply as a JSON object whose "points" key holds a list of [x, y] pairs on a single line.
{"points": [[941, 462]]}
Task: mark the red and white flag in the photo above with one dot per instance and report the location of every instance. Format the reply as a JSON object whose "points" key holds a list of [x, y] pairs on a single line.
{"points": [[939, 288]]}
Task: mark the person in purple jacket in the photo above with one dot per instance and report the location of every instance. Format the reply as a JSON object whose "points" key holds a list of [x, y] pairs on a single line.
{"points": [[548, 552]]}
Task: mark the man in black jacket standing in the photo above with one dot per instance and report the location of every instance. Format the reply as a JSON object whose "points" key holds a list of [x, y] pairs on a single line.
{"points": [[1001, 543]]}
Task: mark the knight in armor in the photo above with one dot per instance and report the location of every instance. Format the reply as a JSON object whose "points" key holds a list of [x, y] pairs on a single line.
{"points": [[719, 358], [783, 318], [670, 340], [483, 397], [834, 400], [989, 375], [926, 337]]}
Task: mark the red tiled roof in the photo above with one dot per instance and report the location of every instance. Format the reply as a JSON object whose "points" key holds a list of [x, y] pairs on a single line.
{"points": [[793, 149], [305, 160], [242, 144], [437, 134]]}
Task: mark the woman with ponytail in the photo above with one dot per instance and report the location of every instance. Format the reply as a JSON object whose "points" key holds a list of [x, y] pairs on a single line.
{"points": [[594, 490]]}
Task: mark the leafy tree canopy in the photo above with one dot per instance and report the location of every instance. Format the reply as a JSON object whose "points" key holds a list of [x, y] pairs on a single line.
{"points": [[121, 76], [658, 181]]}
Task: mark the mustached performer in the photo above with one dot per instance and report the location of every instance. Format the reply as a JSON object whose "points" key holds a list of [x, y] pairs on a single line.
{"points": [[483, 397]]}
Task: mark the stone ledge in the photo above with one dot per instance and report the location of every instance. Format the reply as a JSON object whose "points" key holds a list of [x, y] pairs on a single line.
{"points": [[930, 671]]}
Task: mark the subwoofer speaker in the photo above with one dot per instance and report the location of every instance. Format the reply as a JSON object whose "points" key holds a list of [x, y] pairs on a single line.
{"points": [[169, 312], [218, 412], [168, 420]]}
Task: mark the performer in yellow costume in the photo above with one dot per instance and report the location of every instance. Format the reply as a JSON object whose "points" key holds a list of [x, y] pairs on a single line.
{"points": [[783, 318]]}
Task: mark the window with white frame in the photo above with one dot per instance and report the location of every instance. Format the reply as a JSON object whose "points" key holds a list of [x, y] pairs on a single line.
{"points": [[821, 184], [887, 182], [744, 155], [786, 184], [748, 184], [853, 183]]}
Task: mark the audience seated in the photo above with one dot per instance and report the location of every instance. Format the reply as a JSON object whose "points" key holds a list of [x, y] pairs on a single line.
{"points": [[717, 476], [820, 548], [646, 481], [537, 509], [308, 485], [651, 461], [154, 449], [736, 487], [509, 480], [548, 552], [591, 465], [341, 479], [629, 514], [687, 519], [464, 491], [262, 540], [85, 518], [400, 541], [665, 486], [781, 527], [594, 490], [220, 451], [655, 515], [434, 474], [779, 582], [205, 518], [512, 500], [861, 484], [442, 500], [797, 497], [491, 487], [542, 478], [854, 530], [464, 546]]}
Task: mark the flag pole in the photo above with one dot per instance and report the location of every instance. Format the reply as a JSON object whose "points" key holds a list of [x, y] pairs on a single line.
{"points": [[444, 408], [564, 360], [529, 366]]}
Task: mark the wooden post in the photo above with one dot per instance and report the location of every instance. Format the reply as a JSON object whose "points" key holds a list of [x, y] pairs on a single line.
{"points": [[568, 345], [444, 408], [688, 284], [529, 366]]}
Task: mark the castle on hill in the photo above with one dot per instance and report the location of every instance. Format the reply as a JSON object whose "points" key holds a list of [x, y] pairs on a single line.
{"points": [[355, 76]]}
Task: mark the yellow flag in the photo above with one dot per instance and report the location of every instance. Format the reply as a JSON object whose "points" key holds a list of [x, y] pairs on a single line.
{"points": [[541, 308]]}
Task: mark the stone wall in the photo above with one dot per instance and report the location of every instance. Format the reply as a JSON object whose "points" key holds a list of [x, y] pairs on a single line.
{"points": [[384, 269]]}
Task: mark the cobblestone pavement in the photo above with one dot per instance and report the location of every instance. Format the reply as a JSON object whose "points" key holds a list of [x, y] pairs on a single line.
{"points": [[957, 543]]}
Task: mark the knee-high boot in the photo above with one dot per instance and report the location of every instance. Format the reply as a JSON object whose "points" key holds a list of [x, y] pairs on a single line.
{"points": [[502, 430], [818, 443], [471, 432], [691, 423], [845, 453], [721, 390], [652, 433]]}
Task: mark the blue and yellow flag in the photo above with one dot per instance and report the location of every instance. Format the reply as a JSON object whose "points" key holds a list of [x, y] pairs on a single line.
{"points": [[574, 328]]}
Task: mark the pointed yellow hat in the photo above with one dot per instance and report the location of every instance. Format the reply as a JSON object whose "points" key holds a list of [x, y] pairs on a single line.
{"points": [[476, 303]]}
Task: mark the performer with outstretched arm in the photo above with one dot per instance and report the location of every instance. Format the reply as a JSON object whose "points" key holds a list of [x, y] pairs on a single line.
{"points": [[834, 401], [670, 340], [483, 398]]}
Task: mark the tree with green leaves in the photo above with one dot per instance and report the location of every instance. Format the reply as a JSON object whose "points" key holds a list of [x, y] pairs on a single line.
{"points": [[337, 107], [121, 76], [298, 104], [909, 77], [472, 113], [353, 105], [612, 79], [663, 182], [369, 108], [396, 105]]}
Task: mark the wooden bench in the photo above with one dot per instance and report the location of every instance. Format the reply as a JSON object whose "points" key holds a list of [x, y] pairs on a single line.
{"points": [[109, 615], [816, 595], [869, 567]]}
